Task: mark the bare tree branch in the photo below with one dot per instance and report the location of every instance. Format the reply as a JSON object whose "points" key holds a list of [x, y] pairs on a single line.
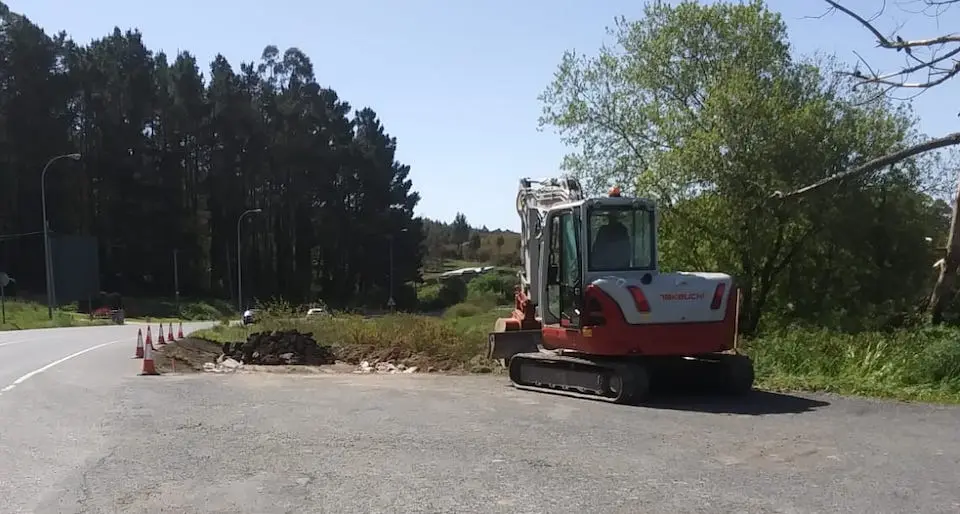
{"points": [[939, 68], [875, 164]]}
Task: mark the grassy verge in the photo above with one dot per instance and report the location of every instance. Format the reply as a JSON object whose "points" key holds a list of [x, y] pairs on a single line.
{"points": [[21, 315], [920, 365], [455, 343]]}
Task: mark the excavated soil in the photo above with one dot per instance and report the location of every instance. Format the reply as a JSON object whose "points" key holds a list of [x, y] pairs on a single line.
{"points": [[289, 351], [186, 355]]}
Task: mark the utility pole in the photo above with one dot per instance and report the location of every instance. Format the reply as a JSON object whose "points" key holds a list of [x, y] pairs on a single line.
{"points": [[391, 303], [48, 263], [5, 280], [239, 266], [176, 281]]}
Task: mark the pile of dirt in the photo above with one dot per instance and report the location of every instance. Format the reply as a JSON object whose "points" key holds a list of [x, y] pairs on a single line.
{"points": [[186, 355], [280, 347]]}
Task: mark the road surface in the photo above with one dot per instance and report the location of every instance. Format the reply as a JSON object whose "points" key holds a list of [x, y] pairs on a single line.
{"points": [[88, 435]]}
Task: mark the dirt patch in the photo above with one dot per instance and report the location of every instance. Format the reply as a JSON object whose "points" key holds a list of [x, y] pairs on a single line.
{"points": [[289, 351], [355, 354], [186, 355]]}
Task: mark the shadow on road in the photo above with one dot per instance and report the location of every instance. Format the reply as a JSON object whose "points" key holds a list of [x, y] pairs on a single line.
{"points": [[755, 403]]}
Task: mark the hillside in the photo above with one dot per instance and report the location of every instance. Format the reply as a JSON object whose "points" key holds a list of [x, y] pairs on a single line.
{"points": [[458, 244]]}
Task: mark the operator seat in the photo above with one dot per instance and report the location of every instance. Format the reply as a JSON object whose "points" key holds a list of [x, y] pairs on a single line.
{"points": [[611, 248]]}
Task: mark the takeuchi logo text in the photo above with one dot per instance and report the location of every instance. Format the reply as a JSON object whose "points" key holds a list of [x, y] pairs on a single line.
{"points": [[680, 297]]}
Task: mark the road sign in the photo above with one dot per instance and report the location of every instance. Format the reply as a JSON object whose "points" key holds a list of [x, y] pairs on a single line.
{"points": [[5, 281], [391, 303]]}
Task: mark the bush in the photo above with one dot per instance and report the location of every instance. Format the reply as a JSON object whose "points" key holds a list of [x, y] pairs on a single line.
{"points": [[436, 297], [189, 309], [452, 291], [499, 284]]}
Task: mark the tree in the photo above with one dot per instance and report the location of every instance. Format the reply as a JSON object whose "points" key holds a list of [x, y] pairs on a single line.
{"points": [[475, 243], [500, 242], [934, 58], [461, 231], [171, 158], [704, 108]]}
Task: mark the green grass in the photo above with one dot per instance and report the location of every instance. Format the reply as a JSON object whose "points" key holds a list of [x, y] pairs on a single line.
{"points": [[21, 315], [921, 364], [424, 341], [457, 340]]}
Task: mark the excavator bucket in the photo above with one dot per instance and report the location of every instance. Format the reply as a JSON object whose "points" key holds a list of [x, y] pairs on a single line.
{"points": [[503, 345]]}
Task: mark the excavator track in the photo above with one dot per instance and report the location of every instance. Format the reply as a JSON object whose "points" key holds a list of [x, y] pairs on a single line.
{"points": [[615, 381], [627, 380]]}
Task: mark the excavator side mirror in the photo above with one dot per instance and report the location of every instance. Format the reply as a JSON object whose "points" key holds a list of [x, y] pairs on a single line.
{"points": [[553, 271]]}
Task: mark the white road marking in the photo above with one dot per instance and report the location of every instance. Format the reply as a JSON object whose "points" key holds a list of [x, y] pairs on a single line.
{"points": [[15, 342], [35, 372], [18, 341]]}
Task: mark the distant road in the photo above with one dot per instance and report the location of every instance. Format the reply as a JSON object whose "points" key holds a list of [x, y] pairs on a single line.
{"points": [[82, 433]]}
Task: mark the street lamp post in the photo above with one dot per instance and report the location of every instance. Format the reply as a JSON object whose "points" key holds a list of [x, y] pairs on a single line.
{"points": [[390, 301], [239, 275], [48, 264]]}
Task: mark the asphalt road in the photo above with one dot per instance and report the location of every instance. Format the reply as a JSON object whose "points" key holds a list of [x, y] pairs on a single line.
{"points": [[88, 435]]}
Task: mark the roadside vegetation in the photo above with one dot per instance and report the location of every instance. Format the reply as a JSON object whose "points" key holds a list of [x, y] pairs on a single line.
{"points": [[24, 314], [908, 363], [21, 314]]}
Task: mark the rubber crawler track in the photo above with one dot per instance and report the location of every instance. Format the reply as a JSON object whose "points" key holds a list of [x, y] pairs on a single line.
{"points": [[625, 381]]}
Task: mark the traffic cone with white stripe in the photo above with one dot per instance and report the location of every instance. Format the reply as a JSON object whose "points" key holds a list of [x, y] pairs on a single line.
{"points": [[149, 337], [170, 333], [160, 340], [139, 354], [149, 369], [180, 331]]}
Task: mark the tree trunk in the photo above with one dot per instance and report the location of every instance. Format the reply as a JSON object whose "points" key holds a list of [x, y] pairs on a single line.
{"points": [[944, 289]]}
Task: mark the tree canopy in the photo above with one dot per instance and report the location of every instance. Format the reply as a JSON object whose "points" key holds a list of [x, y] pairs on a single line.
{"points": [[172, 156], [705, 108]]}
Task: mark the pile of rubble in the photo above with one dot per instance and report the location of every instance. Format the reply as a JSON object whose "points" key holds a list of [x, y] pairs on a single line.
{"points": [[280, 347], [384, 367]]}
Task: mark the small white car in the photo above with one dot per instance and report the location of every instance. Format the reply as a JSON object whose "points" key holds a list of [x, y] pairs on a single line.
{"points": [[317, 311]]}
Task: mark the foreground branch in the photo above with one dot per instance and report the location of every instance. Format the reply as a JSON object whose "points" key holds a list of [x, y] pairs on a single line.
{"points": [[939, 68], [870, 166], [885, 42]]}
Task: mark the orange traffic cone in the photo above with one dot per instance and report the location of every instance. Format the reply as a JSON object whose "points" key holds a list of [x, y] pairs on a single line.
{"points": [[139, 354], [149, 337], [148, 368], [170, 333], [160, 340], [180, 331]]}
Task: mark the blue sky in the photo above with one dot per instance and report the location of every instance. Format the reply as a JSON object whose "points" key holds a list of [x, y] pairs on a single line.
{"points": [[456, 82]]}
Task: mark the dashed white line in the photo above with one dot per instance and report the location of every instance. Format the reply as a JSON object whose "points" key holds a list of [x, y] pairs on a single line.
{"points": [[35, 372]]}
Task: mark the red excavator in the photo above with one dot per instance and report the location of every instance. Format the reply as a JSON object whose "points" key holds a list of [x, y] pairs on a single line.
{"points": [[595, 316]]}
